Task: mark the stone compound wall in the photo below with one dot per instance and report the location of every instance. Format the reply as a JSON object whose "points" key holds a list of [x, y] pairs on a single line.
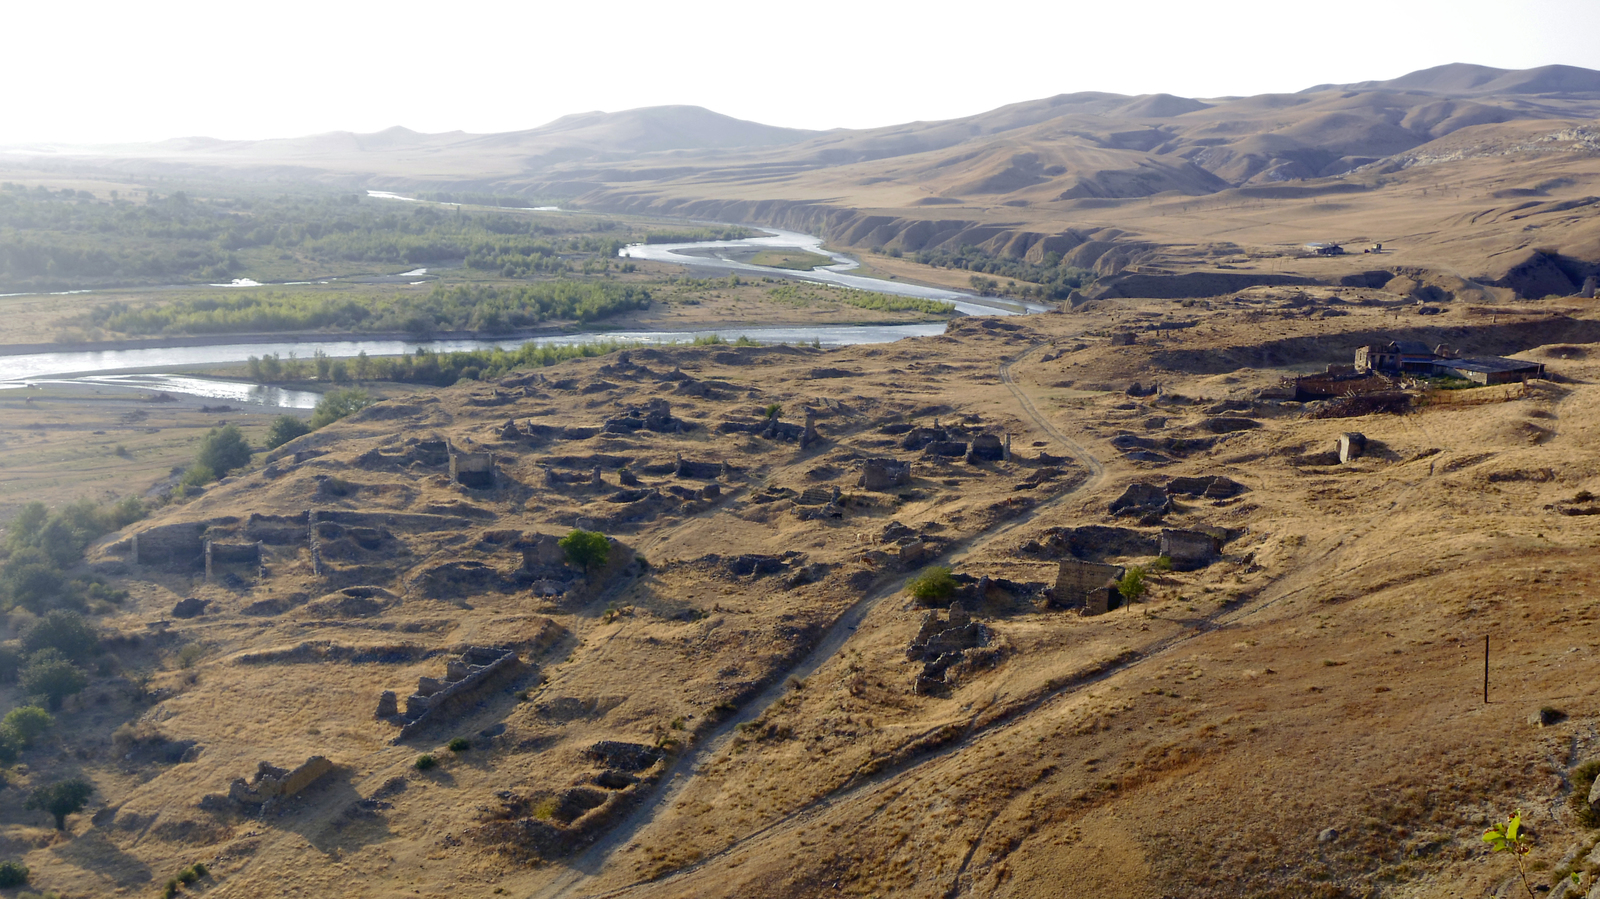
{"points": [[272, 782], [178, 546], [1078, 581], [884, 474], [472, 469], [1188, 550], [467, 679]]}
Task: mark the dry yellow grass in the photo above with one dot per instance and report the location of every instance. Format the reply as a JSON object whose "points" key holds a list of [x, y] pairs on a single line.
{"points": [[1324, 674]]}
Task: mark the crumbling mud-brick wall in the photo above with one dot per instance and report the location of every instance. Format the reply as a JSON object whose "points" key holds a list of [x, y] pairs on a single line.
{"points": [[1188, 550], [1210, 487], [468, 679], [272, 782], [1078, 582], [472, 469], [987, 448], [539, 551], [884, 474], [174, 546], [947, 648], [1141, 499], [235, 553]]}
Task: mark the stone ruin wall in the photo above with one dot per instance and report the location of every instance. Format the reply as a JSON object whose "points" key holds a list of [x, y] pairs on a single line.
{"points": [[472, 469], [1188, 550], [1078, 581], [272, 782], [480, 669]]}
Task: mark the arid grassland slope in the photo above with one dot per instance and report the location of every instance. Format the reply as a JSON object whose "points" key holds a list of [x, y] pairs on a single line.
{"points": [[744, 700]]}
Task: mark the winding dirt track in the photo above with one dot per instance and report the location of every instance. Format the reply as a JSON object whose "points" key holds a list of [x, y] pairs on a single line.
{"points": [[685, 767]]}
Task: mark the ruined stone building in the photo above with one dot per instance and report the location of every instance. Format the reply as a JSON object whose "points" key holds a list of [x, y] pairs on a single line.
{"points": [[1413, 357], [1088, 586]]}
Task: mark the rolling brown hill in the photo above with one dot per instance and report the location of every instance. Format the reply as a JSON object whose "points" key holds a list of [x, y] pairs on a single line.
{"points": [[1466, 174]]}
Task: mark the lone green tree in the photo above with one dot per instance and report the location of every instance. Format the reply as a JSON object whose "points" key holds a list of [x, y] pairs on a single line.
{"points": [[586, 549], [1132, 585], [223, 450], [62, 798]]}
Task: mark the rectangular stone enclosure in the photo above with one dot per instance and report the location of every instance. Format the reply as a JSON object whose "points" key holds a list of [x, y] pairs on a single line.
{"points": [[1087, 585], [472, 469], [1188, 550]]}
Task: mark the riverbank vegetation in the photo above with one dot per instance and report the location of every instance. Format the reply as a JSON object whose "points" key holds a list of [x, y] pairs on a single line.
{"points": [[488, 309], [70, 239], [425, 366], [690, 235], [1048, 279], [801, 293]]}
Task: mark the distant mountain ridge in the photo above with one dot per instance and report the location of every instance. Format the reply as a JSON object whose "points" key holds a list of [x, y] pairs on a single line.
{"points": [[1466, 80], [646, 130]]}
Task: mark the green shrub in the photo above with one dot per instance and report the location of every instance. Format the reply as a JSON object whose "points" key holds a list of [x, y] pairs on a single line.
{"points": [[1583, 778], [426, 761], [10, 662], [61, 799], [933, 584], [1163, 563], [13, 874], [189, 654], [284, 429], [52, 676], [26, 724], [337, 404], [64, 631], [196, 475], [459, 744], [223, 450]]}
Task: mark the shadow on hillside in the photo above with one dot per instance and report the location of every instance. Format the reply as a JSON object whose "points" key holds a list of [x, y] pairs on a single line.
{"points": [[95, 853], [1481, 338], [332, 816]]}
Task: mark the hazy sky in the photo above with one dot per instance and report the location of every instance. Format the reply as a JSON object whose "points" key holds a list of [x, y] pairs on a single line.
{"points": [[109, 71]]}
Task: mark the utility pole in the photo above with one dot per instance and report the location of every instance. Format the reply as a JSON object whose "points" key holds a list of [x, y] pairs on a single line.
{"points": [[1485, 669]]}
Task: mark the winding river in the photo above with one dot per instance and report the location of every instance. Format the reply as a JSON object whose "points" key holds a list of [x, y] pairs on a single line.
{"points": [[141, 368], [716, 255], [97, 366]]}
